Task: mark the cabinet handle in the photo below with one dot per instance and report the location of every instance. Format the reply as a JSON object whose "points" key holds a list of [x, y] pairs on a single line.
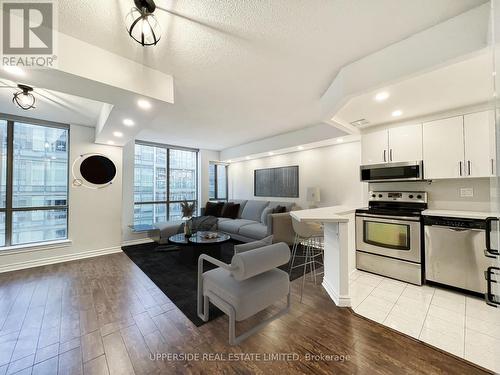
{"points": [[460, 165], [385, 156], [390, 154], [492, 167], [468, 167]]}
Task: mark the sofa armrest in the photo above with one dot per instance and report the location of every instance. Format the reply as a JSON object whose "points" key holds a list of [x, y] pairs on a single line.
{"points": [[280, 226]]}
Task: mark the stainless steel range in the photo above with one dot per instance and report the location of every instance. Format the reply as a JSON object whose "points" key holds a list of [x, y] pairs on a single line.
{"points": [[389, 235]]}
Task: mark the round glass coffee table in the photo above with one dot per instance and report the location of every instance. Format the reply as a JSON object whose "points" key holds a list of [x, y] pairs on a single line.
{"points": [[199, 243], [200, 238]]}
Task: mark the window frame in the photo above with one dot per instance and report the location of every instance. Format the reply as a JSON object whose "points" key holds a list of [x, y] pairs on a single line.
{"points": [[216, 181], [167, 202], [9, 180]]}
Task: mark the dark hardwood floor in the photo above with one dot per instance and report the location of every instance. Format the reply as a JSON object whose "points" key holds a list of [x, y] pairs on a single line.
{"points": [[104, 316]]}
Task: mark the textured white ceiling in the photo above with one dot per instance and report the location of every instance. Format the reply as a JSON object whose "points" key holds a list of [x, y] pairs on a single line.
{"points": [[457, 85], [245, 70]]}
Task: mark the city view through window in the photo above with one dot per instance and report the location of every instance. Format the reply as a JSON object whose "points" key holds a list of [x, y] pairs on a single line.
{"points": [[163, 178], [34, 195]]}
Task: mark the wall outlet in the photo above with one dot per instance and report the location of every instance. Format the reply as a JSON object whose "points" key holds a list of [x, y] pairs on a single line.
{"points": [[466, 192]]}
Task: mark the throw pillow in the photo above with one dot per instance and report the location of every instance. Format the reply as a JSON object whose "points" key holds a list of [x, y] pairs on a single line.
{"points": [[213, 209], [265, 214], [230, 210], [279, 209]]}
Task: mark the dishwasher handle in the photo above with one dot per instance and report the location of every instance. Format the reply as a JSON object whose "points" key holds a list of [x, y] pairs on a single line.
{"points": [[489, 296], [489, 252]]}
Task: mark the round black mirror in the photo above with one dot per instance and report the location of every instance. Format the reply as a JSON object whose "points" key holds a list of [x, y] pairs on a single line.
{"points": [[98, 170]]}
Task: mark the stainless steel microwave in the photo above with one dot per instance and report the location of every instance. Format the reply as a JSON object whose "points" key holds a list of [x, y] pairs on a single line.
{"points": [[405, 171]]}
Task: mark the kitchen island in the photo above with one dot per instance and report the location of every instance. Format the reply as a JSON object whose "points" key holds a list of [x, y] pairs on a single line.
{"points": [[338, 224]]}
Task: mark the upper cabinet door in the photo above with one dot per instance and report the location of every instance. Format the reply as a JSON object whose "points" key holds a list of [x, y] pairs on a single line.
{"points": [[405, 143], [479, 132], [374, 147], [443, 142]]}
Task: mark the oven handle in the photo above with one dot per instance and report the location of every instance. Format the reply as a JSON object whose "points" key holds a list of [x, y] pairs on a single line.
{"points": [[455, 229], [400, 218]]}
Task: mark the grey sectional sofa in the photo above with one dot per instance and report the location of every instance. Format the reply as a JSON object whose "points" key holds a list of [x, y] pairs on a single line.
{"points": [[256, 221]]}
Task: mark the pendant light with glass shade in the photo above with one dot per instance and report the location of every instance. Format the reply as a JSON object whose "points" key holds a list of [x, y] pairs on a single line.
{"points": [[24, 99], [142, 25]]}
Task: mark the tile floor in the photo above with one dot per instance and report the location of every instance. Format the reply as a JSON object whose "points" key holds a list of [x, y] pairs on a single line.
{"points": [[460, 324]]}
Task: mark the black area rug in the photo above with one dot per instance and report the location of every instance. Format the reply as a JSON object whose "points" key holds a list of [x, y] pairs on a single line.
{"points": [[174, 270]]}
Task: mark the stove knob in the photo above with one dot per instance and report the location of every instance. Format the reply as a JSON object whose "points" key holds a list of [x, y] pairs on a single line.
{"points": [[410, 196], [374, 195], [419, 196], [380, 195]]}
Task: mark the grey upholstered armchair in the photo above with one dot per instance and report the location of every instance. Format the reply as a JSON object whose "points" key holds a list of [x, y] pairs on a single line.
{"points": [[250, 284]]}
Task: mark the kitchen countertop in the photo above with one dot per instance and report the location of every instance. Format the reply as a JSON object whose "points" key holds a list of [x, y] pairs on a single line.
{"points": [[333, 214], [481, 215]]}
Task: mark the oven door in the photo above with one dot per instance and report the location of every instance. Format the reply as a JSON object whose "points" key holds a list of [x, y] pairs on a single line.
{"points": [[391, 236]]}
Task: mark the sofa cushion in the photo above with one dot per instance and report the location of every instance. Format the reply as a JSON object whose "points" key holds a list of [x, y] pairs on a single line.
{"points": [[257, 231], [288, 205], [233, 226], [213, 209], [253, 210], [242, 204], [253, 245], [222, 219], [230, 210], [249, 296], [265, 215]]}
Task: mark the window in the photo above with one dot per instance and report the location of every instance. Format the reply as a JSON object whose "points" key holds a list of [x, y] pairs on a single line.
{"points": [[164, 177], [33, 183], [217, 181]]}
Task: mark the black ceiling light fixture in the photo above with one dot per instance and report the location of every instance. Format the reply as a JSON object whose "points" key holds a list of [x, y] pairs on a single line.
{"points": [[142, 25], [24, 98]]}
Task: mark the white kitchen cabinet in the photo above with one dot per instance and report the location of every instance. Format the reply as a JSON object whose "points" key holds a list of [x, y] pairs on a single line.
{"points": [[479, 135], [443, 142], [374, 147], [405, 143]]}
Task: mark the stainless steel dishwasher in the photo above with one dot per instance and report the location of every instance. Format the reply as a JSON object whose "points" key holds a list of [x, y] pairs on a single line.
{"points": [[454, 252]]}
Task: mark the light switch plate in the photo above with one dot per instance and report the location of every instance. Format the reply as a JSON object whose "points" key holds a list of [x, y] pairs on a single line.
{"points": [[466, 192]]}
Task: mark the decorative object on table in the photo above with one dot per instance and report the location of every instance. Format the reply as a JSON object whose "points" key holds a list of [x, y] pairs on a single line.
{"points": [[277, 182], [93, 171], [187, 209], [210, 235], [313, 196], [202, 223]]}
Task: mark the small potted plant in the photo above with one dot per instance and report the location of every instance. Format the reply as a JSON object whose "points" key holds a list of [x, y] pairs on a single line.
{"points": [[187, 213]]}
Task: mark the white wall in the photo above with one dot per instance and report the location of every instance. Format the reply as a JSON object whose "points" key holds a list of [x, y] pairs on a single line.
{"points": [[94, 215], [204, 159], [335, 169]]}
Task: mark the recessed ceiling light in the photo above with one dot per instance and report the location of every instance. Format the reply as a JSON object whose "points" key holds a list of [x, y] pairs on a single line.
{"points": [[381, 96], [271, 153], [144, 104], [118, 134], [300, 148], [111, 143], [128, 122], [340, 140], [229, 161], [15, 70], [248, 158], [397, 113]]}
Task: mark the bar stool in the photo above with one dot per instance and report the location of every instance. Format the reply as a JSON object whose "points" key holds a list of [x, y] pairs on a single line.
{"points": [[310, 237]]}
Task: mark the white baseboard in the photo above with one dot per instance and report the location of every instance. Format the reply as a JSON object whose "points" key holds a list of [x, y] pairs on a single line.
{"points": [[340, 301], [59, 259], [138, 241]]}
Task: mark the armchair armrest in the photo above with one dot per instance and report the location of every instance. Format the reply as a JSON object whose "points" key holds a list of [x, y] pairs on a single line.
{"points": [[216, 262]]}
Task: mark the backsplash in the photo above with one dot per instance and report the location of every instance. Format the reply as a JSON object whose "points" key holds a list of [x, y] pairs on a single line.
{"points": [[446, 194]]}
